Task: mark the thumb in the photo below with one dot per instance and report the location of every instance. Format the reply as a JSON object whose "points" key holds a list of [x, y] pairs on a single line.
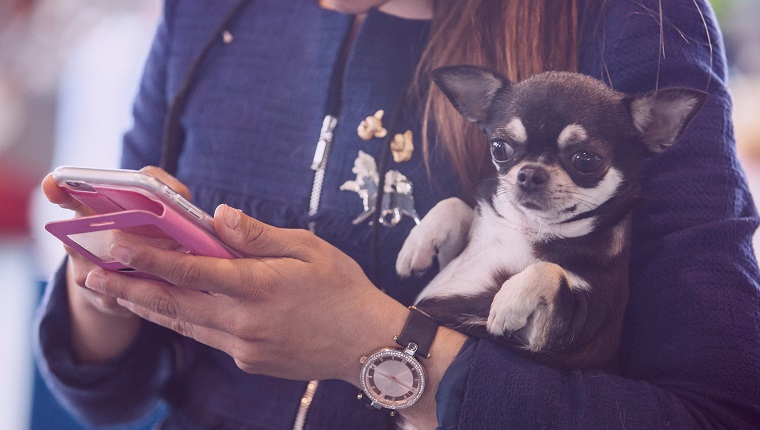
{"points": [[253, 237], [173, 183]]}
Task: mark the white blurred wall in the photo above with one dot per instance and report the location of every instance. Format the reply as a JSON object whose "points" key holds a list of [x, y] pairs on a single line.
{"points": [[80, 60]]}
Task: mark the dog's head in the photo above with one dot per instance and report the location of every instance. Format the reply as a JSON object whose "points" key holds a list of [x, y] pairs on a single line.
{"points": [[564, 144]]}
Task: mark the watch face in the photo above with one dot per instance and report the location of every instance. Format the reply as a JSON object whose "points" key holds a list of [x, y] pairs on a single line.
{"points": [[392, 379]]}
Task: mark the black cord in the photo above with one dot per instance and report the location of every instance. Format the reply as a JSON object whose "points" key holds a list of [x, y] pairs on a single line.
{"points": [[172, 134], [382, 168]]}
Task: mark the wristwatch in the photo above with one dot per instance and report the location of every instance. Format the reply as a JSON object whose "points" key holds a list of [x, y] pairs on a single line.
{"points": [[393, 378]]}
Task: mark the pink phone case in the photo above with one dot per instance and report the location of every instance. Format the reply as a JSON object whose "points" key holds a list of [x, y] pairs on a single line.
{"points": [[88, 235]]}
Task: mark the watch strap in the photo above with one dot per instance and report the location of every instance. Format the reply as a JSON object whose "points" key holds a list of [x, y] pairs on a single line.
{"points": [[420, 329], [374, 406]]}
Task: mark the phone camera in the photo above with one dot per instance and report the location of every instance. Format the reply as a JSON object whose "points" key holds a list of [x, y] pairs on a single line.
{"points": [[80, 186]]}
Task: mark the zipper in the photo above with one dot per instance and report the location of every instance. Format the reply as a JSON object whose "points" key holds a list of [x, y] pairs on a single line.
{"points": [[303, 407], [318, 164]]}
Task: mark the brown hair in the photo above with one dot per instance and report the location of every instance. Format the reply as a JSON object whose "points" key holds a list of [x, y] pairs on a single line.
{"points": [[518, 38]]}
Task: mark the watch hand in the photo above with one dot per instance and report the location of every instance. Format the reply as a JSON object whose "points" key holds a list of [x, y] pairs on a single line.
{"points": [[394, 379]]}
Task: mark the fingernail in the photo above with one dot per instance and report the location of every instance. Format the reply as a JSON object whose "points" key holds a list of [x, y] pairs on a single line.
{"points": [[120, 253], [231, 217], [125, 304], [94, 281]]}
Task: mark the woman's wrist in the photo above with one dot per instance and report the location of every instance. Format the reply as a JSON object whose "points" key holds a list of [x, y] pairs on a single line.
{"points": [[444, 350], [377, 323], [97, 336], [381, 323]]}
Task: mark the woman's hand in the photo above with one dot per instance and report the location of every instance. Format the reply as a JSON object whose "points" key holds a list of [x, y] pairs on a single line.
{"points": [[101, 327], [78, 266], [295, 307]]}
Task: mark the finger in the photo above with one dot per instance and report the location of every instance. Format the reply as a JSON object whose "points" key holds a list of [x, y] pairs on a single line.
{"points": [[146, 235], [57, 195], [217, 275], [181, 305], [78, 264], [103, 303], [106, 304], [210, 336], [249, 352], [252, 237], [167, 179], [244, 352]]}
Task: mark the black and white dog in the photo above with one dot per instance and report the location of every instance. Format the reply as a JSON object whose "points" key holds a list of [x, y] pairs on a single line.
{"points": [[541, 262]]}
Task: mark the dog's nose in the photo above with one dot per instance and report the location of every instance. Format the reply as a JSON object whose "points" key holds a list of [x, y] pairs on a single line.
{"points": [[531, 178]]}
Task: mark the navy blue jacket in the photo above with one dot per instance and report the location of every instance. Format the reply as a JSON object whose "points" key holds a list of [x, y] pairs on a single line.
{"points": [[251, 123]]}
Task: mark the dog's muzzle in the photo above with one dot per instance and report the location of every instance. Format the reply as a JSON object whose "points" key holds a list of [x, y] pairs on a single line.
{"points": [[532, 178]]}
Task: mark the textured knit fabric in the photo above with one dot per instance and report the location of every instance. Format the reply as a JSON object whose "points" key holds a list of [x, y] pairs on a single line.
{"points": [[691, 346]]}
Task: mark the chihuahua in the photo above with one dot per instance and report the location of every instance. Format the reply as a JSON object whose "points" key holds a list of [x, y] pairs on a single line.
{"points": [[541, 263]]}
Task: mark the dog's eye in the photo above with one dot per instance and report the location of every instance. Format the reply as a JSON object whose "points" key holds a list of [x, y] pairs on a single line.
{"points": [[587, 162], [501, 151]]}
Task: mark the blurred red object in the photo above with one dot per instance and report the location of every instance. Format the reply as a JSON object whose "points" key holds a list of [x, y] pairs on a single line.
{"points": [[20, 7], [15, 194]]}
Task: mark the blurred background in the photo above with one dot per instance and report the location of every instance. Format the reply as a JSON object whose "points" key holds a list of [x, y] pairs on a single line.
{"points": [[68, 74]]}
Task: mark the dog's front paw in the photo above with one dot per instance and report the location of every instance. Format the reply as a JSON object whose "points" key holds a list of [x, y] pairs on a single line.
{"points": [[416, 256], [442, 233], [525, 305]]}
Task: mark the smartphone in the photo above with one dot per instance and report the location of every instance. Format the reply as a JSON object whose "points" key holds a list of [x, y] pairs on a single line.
{"points": [[105, 191], [136, 203]]}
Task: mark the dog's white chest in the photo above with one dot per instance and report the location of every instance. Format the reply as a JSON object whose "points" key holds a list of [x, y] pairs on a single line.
{"points": [[497, 245]]}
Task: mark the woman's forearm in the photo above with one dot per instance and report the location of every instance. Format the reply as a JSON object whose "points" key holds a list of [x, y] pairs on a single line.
{"points": [[97, 336]]}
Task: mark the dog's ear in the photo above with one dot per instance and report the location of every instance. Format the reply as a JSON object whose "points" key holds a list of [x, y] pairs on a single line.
{"points": [[470, 89], [661, 116]]}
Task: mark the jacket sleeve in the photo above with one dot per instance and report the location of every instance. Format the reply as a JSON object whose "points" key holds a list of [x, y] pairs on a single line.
{"points": [[692, 329], [121, 390], [127, 387], [142, 143]]}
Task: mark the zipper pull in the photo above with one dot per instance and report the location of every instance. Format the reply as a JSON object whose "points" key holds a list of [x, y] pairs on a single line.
{"points": [[325, 138]]}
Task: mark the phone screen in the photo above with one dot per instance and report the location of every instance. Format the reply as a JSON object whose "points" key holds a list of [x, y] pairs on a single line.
{"points": [[98, 242]]}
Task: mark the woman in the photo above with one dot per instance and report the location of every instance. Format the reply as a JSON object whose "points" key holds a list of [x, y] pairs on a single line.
{"points": [[239, 92]]}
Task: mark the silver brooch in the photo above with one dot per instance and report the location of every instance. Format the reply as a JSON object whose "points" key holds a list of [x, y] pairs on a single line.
{"points": [[398, 199]]}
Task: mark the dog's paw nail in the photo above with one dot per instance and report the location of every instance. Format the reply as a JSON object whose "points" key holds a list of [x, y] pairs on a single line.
{"points": [[418, 273]]}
